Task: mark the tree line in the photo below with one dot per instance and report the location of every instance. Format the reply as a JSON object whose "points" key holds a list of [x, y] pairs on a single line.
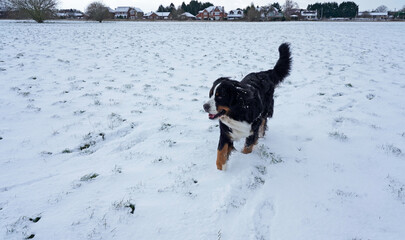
{"points": [[335, 10], [193, 7], [40, 10]]}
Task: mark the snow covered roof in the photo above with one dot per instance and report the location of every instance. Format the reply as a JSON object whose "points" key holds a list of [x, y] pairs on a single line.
{"points": [[235, 13], [212, 8], [138, 9], [122, 9], [187, 14], [148, 14], [378, 13], [309, 13], [60, 14], [163, 14]]}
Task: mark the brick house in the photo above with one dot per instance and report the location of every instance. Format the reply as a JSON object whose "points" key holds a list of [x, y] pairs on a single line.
{"points": [[164, 15], [122, 12], [135, 13], [150, 16], [187, 16], [212, 13]]}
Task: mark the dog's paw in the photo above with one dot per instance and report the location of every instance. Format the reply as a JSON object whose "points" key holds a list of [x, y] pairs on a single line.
{"points": [[247, 150], [221, 167]]}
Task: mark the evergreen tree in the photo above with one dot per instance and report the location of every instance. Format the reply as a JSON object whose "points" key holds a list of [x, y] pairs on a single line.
{"points": [[277, 6], [332, 9], [184, 7], [348, 9], [161, 9], [195, 6]]}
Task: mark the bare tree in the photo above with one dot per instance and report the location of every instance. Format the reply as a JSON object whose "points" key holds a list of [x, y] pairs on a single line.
{"points": [[39, 10], [268, 11], [97, 11], [288, 7], [253, 14], [382, 9]]}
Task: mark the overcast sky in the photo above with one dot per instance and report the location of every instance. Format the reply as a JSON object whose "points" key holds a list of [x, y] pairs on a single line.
{"points": [[152, 5]]}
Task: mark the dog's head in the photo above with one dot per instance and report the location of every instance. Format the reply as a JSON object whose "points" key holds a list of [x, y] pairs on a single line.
{"points": [[224, 95]]}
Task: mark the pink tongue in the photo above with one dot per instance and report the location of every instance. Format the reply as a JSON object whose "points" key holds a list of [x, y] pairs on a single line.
{"points": [[211, 116]]}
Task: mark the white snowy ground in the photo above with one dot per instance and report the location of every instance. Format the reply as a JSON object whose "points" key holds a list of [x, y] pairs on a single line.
{"points": [[102, 133]]}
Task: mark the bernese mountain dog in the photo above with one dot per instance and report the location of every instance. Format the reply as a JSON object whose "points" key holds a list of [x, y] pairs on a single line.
{"points": [[243, 107]]}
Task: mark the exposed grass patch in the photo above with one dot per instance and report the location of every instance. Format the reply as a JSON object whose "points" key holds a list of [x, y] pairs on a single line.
{"points": [[87, 145], [165, 127], [117, 169], [35, 220], [370, 96], [169, 142], [338, 136], [265, 153], [30, 236], [89, 177], [391, 149], [125, 204], [67, 150]]}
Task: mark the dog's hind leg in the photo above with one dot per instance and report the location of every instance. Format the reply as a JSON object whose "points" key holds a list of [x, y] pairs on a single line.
{"points": [[250, 142], [263, 128]]}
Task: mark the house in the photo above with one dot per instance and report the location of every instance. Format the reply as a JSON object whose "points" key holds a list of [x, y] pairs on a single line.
{"points": [[164, 15], [268, 13], [112, 12], [150, 16], [135, 13], [122, 12], [294, 14], [235, 14], [187, 16], [212, 13], [396, 14], [70, 14], [309, 15], [3, 12], [374, 15]]}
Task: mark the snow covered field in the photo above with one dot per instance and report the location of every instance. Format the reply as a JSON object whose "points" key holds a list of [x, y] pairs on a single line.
{"points": [[103, 136]]}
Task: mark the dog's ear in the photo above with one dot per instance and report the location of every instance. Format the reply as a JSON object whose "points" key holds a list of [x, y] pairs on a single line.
{"points": [[216, 82]]}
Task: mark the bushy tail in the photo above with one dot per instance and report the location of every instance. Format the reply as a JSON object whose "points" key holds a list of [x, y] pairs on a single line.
{"points": [[283, 65]]}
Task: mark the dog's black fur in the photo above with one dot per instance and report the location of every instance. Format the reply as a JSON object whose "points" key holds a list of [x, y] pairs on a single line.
{"points": [[246, 103]]}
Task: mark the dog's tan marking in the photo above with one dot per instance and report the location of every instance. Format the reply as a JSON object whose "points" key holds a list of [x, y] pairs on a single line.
{"points": [[247, 150], [220, 108], [262, 128], [223, 155]]}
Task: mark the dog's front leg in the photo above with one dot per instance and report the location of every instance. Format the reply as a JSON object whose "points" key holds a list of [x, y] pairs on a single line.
{"points": [[250, 142], [252, 139], [222, 157], [225, 147]]}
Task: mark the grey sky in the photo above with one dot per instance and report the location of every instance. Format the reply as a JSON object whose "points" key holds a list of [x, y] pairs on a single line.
{"points": [[152, 5]]}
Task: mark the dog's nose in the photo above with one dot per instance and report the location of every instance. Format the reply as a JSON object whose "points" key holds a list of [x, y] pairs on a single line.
{"points": [[206, 107]]}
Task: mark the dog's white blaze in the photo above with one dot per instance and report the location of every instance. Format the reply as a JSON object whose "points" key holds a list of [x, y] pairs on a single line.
{"points": [[239, 129], [224, 167], [211, 102]]}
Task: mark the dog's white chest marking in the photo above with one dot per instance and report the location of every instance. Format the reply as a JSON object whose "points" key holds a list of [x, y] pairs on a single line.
{"points": [[239, 129]]}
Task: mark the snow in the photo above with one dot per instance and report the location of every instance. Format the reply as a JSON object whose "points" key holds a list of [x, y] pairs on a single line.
{"points": [[103, 135]]}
